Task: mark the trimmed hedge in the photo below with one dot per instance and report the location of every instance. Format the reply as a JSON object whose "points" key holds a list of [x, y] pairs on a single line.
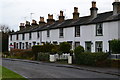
{"points": [[43, 57], [115, 46], [22, 54], [64, 47], [90, 58], [79, 50]]}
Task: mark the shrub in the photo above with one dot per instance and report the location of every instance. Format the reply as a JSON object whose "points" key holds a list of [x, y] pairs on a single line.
{"points": [[64, 47], [79, 50], [22, 54], [90, 58], [115, 46], [43, 56]]}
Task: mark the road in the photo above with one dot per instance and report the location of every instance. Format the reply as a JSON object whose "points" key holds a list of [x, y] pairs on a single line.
{"points": [[46, 70]]}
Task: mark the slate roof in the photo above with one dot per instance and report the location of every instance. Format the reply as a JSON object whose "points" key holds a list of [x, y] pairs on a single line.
{"points": [[102, 17]]}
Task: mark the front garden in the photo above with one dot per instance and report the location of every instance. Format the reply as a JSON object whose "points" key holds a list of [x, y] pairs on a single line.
{"points": [[63, 51]]}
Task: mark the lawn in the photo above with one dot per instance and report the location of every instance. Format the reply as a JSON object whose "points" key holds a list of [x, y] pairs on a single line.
{"points": [[7, 74]]}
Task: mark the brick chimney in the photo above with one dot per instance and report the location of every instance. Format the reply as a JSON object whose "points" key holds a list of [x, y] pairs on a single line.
{"points": [[61, 17], [116, 7], [27, 24], [21, 26], [93, 10], [50, 19], [75, 13], [42, 22]]}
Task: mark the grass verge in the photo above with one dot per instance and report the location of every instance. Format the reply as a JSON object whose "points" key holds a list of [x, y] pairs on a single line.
{"points": [[10, 75]]}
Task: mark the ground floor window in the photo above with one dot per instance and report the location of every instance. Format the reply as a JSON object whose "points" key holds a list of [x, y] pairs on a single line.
{"points": [[26, 45], [22, 45], [17, 45], [77, 44], [34, 43], [55, 42], [30, 45], [98, 46], [88, 46]]}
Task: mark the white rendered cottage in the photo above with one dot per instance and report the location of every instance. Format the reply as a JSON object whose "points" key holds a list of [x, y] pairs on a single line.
{"points": [[93, 32]]}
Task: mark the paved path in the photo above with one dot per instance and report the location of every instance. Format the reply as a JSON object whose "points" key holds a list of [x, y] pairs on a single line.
{"points": [[51, 70]]}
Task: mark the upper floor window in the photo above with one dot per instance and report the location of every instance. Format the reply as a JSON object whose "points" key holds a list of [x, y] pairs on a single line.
{"points": [[77, 31], [48, 33], [98, 46], [30, 36], [61, 32], [17, 36], [99, 29], [38, 34], [11, 37], [23, 36]]}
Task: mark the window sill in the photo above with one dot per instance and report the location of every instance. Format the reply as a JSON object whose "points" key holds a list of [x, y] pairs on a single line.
{"points": [[61, 37], [100, 35]]}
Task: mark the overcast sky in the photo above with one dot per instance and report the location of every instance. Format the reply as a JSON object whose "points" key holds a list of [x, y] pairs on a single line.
{"points": [[13, 12]]}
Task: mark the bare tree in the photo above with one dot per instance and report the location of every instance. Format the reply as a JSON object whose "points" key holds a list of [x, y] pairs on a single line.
{"points": [[5, 29]]}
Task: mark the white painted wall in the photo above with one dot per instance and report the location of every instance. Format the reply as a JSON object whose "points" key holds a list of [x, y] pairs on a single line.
{"points": [[87, 33], [119, 29]]}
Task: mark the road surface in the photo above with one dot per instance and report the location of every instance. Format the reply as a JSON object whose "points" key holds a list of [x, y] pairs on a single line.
{"points": [[46, 70]]}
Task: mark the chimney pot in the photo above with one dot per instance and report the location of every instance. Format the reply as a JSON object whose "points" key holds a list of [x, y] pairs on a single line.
{"points": [[21, 26], [61, 13], [94, 4], [75, 10], [61, 17], [41, 19], [50, 16], [34, 22]]}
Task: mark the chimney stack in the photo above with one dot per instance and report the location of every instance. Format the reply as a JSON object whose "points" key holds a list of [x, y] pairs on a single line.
{"points": [[93, 10], [75, 13], [34, 22], [50, 19], [61, 17], [116, 7], [21, 26], [41, 22], [27, 24]]}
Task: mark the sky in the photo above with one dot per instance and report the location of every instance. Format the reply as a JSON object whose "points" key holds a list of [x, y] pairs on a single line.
{"points": [[14, 12]]}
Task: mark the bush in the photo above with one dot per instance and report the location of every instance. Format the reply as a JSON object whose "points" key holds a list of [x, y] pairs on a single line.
{"points": [[79, 50], [115, 46], [90, 58], [43, 57], [22, 54], [64, 47]]}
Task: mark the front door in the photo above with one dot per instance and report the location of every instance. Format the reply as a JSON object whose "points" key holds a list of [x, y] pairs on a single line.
{"points": [[88, 46]]}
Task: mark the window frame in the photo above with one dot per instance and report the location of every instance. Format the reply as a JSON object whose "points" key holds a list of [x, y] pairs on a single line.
{"points": [[98, 30], [77, 31], [10, 37], [48, 33], [61, 32], [23, 36], [75, 44], [17, 36], [30, 35], [97, 49]]}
